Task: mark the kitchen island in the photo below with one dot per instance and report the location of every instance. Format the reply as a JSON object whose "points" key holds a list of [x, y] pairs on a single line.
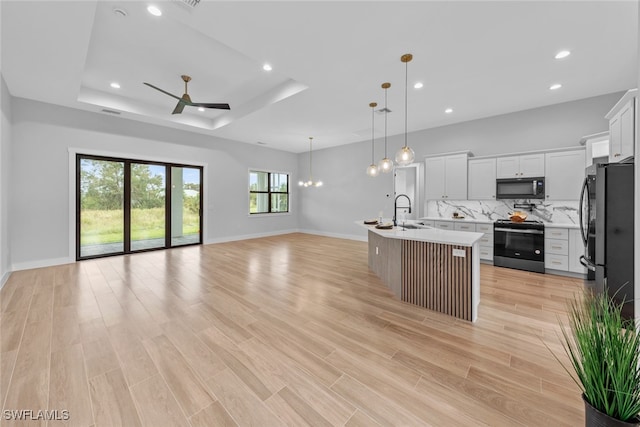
{"points": [[435, 269]]}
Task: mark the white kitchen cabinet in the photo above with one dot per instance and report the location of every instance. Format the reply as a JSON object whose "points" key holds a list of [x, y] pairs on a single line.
{"points": [[444, 225], [576, 249], [464, 226], [524, 166], [622, 127], [564, 174], [482, 179], [556, 249], [446, 177]]}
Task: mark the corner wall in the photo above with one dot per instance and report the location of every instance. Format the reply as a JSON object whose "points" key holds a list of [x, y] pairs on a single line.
{"points": [[5, 174], [42, 206]]}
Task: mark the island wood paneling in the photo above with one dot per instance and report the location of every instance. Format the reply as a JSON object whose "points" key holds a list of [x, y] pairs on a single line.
{"points": [[432, 277], [386, 262]]}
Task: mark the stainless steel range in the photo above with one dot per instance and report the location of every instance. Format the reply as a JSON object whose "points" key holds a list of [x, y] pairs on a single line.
{"points": [[519, 245]]}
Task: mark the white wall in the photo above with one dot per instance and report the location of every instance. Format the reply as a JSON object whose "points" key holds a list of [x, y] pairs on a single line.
{"points": [[349, 194], [5, 168], [40, 199]]}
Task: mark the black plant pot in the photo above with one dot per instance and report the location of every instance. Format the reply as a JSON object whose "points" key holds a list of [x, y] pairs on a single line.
{"points": [[595, 418]]}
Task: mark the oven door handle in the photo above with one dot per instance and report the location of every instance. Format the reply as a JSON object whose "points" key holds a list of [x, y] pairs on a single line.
{"points": [[514, 230]]}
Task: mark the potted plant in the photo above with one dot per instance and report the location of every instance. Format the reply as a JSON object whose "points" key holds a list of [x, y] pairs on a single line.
{"points": [[604, 351]]}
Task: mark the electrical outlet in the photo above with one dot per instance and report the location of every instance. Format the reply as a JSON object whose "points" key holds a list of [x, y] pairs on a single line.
{"points": [[376, 250]]}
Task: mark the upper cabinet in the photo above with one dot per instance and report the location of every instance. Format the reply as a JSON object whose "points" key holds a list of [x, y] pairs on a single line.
{"points": [[622, 127], [564, 174], [482, 179], [446, 177], [525, 166]]}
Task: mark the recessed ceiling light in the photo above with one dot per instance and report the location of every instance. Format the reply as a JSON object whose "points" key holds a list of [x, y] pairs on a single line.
{"points": [[555, 86], [562, 54], [115, 85], [200, 108], [154, 10], [267, 67], [418, 85], [449, 110]]}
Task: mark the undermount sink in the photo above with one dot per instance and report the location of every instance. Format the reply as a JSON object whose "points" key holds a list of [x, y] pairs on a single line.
{"points": [[413, 226]]}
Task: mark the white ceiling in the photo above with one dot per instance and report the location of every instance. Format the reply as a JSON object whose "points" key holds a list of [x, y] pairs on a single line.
{"points": [[329, 59]]}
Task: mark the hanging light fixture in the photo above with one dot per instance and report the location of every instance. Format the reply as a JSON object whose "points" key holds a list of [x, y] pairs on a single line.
{"points": [[372, 170], [405, 155], [310, 182], [386, 164]]}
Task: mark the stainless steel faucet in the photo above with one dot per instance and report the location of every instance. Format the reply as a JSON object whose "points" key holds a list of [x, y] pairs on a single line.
{"points": [[395, 207]]}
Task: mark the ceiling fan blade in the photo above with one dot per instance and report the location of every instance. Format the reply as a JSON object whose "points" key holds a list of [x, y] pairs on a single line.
{"points": [[163, 91], [205, 105], [179, 107]]}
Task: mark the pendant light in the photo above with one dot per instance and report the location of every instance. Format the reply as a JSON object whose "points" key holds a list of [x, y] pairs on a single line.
{"points": [[310, 182], [386, 164], [372, 170], [405, 155]]}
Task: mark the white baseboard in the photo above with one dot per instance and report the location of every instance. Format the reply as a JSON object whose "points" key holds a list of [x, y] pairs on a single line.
{"points": [[41, 263], [248, 236], [4, 278], [336, 235]]}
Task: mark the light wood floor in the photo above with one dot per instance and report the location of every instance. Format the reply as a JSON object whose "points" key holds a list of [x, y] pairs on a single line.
{"points": [[290, 330]]}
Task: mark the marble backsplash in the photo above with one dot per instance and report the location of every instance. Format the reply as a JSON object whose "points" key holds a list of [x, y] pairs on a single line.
{"points": [[558, 212]]}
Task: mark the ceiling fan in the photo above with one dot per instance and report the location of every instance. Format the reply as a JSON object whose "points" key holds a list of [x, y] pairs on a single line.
{"points": [[186, 99]]}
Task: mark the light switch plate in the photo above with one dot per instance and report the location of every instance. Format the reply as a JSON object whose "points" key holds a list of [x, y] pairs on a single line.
{"points": [[459, 253]]}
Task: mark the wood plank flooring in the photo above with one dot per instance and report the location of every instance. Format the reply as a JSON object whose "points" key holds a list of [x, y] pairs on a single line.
{"points": [[283, 331]]}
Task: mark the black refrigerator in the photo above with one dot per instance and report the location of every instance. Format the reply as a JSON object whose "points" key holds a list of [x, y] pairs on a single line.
{"points": [[606, 223]]}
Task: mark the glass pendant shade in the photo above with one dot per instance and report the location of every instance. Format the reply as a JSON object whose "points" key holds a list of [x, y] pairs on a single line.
{"points": [[385, 165], [405, 156], [372, 169], [310, 182]]}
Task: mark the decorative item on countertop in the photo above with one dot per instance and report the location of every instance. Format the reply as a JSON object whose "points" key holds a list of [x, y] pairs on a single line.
{"points": [[604, 351], [518, 216], [371, 221], [456, 215], [405, 155], [386, 164], [310, 182], [372, 170], [385, 226]]}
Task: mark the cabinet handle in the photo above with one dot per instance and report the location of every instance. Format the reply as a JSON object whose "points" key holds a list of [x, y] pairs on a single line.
{"points": [[556, 262], [556, 247]]}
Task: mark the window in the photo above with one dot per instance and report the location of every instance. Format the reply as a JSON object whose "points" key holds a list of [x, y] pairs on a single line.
{"points": [[268, 192]]}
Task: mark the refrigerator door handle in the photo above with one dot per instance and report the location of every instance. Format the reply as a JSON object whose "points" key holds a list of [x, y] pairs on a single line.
{"points": [[587, 263], [585, 190]]}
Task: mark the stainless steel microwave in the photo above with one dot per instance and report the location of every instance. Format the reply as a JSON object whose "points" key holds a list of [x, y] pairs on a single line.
{"points": [[520, 188]]}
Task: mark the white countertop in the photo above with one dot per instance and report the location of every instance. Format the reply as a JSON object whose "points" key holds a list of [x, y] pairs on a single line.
{"points": [[432, 235], [486, 221]]}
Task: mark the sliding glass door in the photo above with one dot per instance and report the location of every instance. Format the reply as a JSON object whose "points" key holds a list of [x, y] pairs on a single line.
{"points": [[100, 207], [185, 205], [148, 203], [126, 206]]}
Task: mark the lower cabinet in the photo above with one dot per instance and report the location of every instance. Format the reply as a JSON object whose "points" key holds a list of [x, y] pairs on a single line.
{"points": [[486, 242], [562, 250]]}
